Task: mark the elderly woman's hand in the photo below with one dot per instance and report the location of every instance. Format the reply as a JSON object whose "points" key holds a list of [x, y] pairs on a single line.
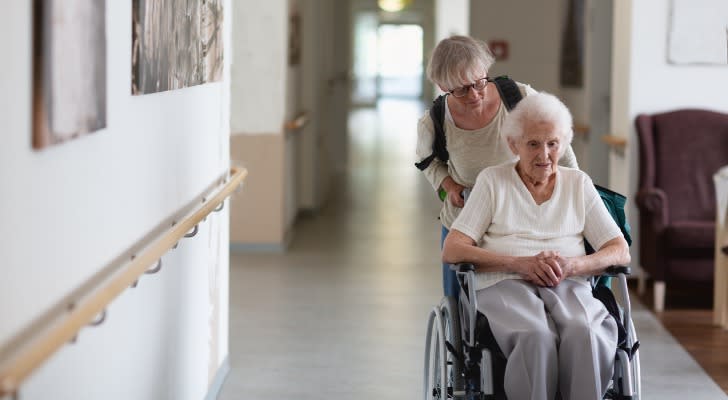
{"points": [[567, 265], [543, 269]]}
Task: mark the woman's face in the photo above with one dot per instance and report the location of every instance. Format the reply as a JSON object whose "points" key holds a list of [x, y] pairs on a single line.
{"points": [[475, 91], [538, 150]]}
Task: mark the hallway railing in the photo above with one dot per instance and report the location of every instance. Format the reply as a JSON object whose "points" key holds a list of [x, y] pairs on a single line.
{"points": [[87, 305], [297, 123]]}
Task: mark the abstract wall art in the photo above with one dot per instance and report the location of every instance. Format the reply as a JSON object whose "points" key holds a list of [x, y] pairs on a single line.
{"points": [[698, 32], [175, 44], [69, 69]]}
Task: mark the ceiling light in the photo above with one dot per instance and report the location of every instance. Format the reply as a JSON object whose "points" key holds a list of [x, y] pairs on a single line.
{"points": [[393, 5]]}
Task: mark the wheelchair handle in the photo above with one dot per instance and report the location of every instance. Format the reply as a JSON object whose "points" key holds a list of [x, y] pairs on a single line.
{"points": [[462, 267], [615, 270]]}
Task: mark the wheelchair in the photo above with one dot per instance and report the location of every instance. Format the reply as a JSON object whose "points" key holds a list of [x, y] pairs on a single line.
{"points": [[463, 361]]}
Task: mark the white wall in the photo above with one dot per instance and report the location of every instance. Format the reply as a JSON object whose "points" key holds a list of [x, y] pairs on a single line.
{"points": [[262, 82], [644, 82], [71, 209], [452, 17], [533, 31], [259, 74]]}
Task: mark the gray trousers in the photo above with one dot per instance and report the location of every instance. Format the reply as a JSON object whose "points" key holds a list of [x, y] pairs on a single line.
{"points": [[556, 339]]}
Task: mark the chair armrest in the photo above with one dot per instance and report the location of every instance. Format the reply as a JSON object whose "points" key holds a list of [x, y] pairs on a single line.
{"points": [[654, 202], [615, 270], [462, 267]]}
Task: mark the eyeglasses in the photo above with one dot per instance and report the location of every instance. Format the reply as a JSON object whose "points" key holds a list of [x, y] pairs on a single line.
{"points": [[463, 91]]}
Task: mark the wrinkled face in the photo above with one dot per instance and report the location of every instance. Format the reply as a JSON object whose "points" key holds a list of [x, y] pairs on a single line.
{"points": [[538, 149]]}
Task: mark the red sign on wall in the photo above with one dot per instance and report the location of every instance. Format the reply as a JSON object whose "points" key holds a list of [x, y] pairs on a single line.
{"points": [[499, 48]]}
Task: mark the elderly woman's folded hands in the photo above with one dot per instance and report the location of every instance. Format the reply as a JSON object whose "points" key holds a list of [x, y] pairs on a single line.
{"points": [[547, 268]]}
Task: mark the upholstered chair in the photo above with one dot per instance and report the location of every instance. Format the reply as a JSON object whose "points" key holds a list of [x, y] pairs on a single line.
{"points": [[680, 151]]}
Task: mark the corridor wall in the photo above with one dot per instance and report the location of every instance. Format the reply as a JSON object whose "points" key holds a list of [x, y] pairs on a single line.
{"points": [[533, 37], [260, 98], [290, 169], [68, 210]]}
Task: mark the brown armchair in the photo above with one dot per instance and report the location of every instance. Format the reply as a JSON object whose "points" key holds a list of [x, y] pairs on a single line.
{"points": [[679, 153]]}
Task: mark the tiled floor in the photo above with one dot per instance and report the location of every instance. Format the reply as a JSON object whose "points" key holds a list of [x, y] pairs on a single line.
{"points": [[342, 314]]}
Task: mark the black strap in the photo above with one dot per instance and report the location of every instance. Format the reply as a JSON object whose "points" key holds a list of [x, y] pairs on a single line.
{"points": [[510, 95], [439, 144], [508, 90]]}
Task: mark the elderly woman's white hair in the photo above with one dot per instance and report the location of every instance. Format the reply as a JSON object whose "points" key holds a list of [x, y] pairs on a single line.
{"points": [[457, 60], [540, 107]]}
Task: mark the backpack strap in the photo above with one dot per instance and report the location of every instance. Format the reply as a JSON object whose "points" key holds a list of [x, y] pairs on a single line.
{"points": [[508, 90], [439, 144]]}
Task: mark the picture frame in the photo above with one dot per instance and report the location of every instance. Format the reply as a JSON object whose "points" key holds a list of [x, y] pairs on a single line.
{"points": [[69, 70], [175, 44]]}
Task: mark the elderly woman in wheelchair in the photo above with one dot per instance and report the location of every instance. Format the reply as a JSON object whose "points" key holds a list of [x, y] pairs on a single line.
{"points": [[523, 229]]}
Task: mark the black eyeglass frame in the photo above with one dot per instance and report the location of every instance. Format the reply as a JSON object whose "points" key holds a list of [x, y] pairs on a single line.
{"points": [[466, 88]]}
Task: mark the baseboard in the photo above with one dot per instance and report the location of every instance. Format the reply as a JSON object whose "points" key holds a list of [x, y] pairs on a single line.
{"points": [[220, 376], [258, 247], [263, 247]]}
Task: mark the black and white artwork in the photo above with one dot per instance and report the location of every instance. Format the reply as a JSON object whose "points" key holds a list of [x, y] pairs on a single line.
{"points": [[175, 44], [69, 69]]}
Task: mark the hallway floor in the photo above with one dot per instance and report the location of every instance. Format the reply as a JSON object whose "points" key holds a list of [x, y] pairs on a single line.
{"points": [[342, 313]]}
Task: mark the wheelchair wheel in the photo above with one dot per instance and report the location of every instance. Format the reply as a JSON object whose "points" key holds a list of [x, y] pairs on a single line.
{"points": [[627, 381], [636, 374], [443, 370]]}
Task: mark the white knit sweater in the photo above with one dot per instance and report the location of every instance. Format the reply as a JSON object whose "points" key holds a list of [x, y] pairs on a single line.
{"points": [[502, 216]]}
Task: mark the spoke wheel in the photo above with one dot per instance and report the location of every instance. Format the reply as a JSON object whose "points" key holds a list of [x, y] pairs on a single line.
{"points": [[454, 364], [443, 370], [636, 374]]}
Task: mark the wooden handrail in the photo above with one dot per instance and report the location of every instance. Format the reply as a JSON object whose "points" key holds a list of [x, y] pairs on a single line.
{"points": [[297, 123], [581, 129], [616, 142], [28, 351]]}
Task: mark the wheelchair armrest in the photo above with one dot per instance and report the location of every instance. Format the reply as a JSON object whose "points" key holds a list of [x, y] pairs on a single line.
{"points": [[615, 270], [462, 267]]}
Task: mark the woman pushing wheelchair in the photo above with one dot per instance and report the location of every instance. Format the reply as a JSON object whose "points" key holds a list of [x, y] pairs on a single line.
{"points": [[523, 227]]}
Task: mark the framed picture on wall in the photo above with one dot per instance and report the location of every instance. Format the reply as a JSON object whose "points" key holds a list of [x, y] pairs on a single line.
{"points": [[698, 32], [571, 73], [69, 69], [175, 44]]}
